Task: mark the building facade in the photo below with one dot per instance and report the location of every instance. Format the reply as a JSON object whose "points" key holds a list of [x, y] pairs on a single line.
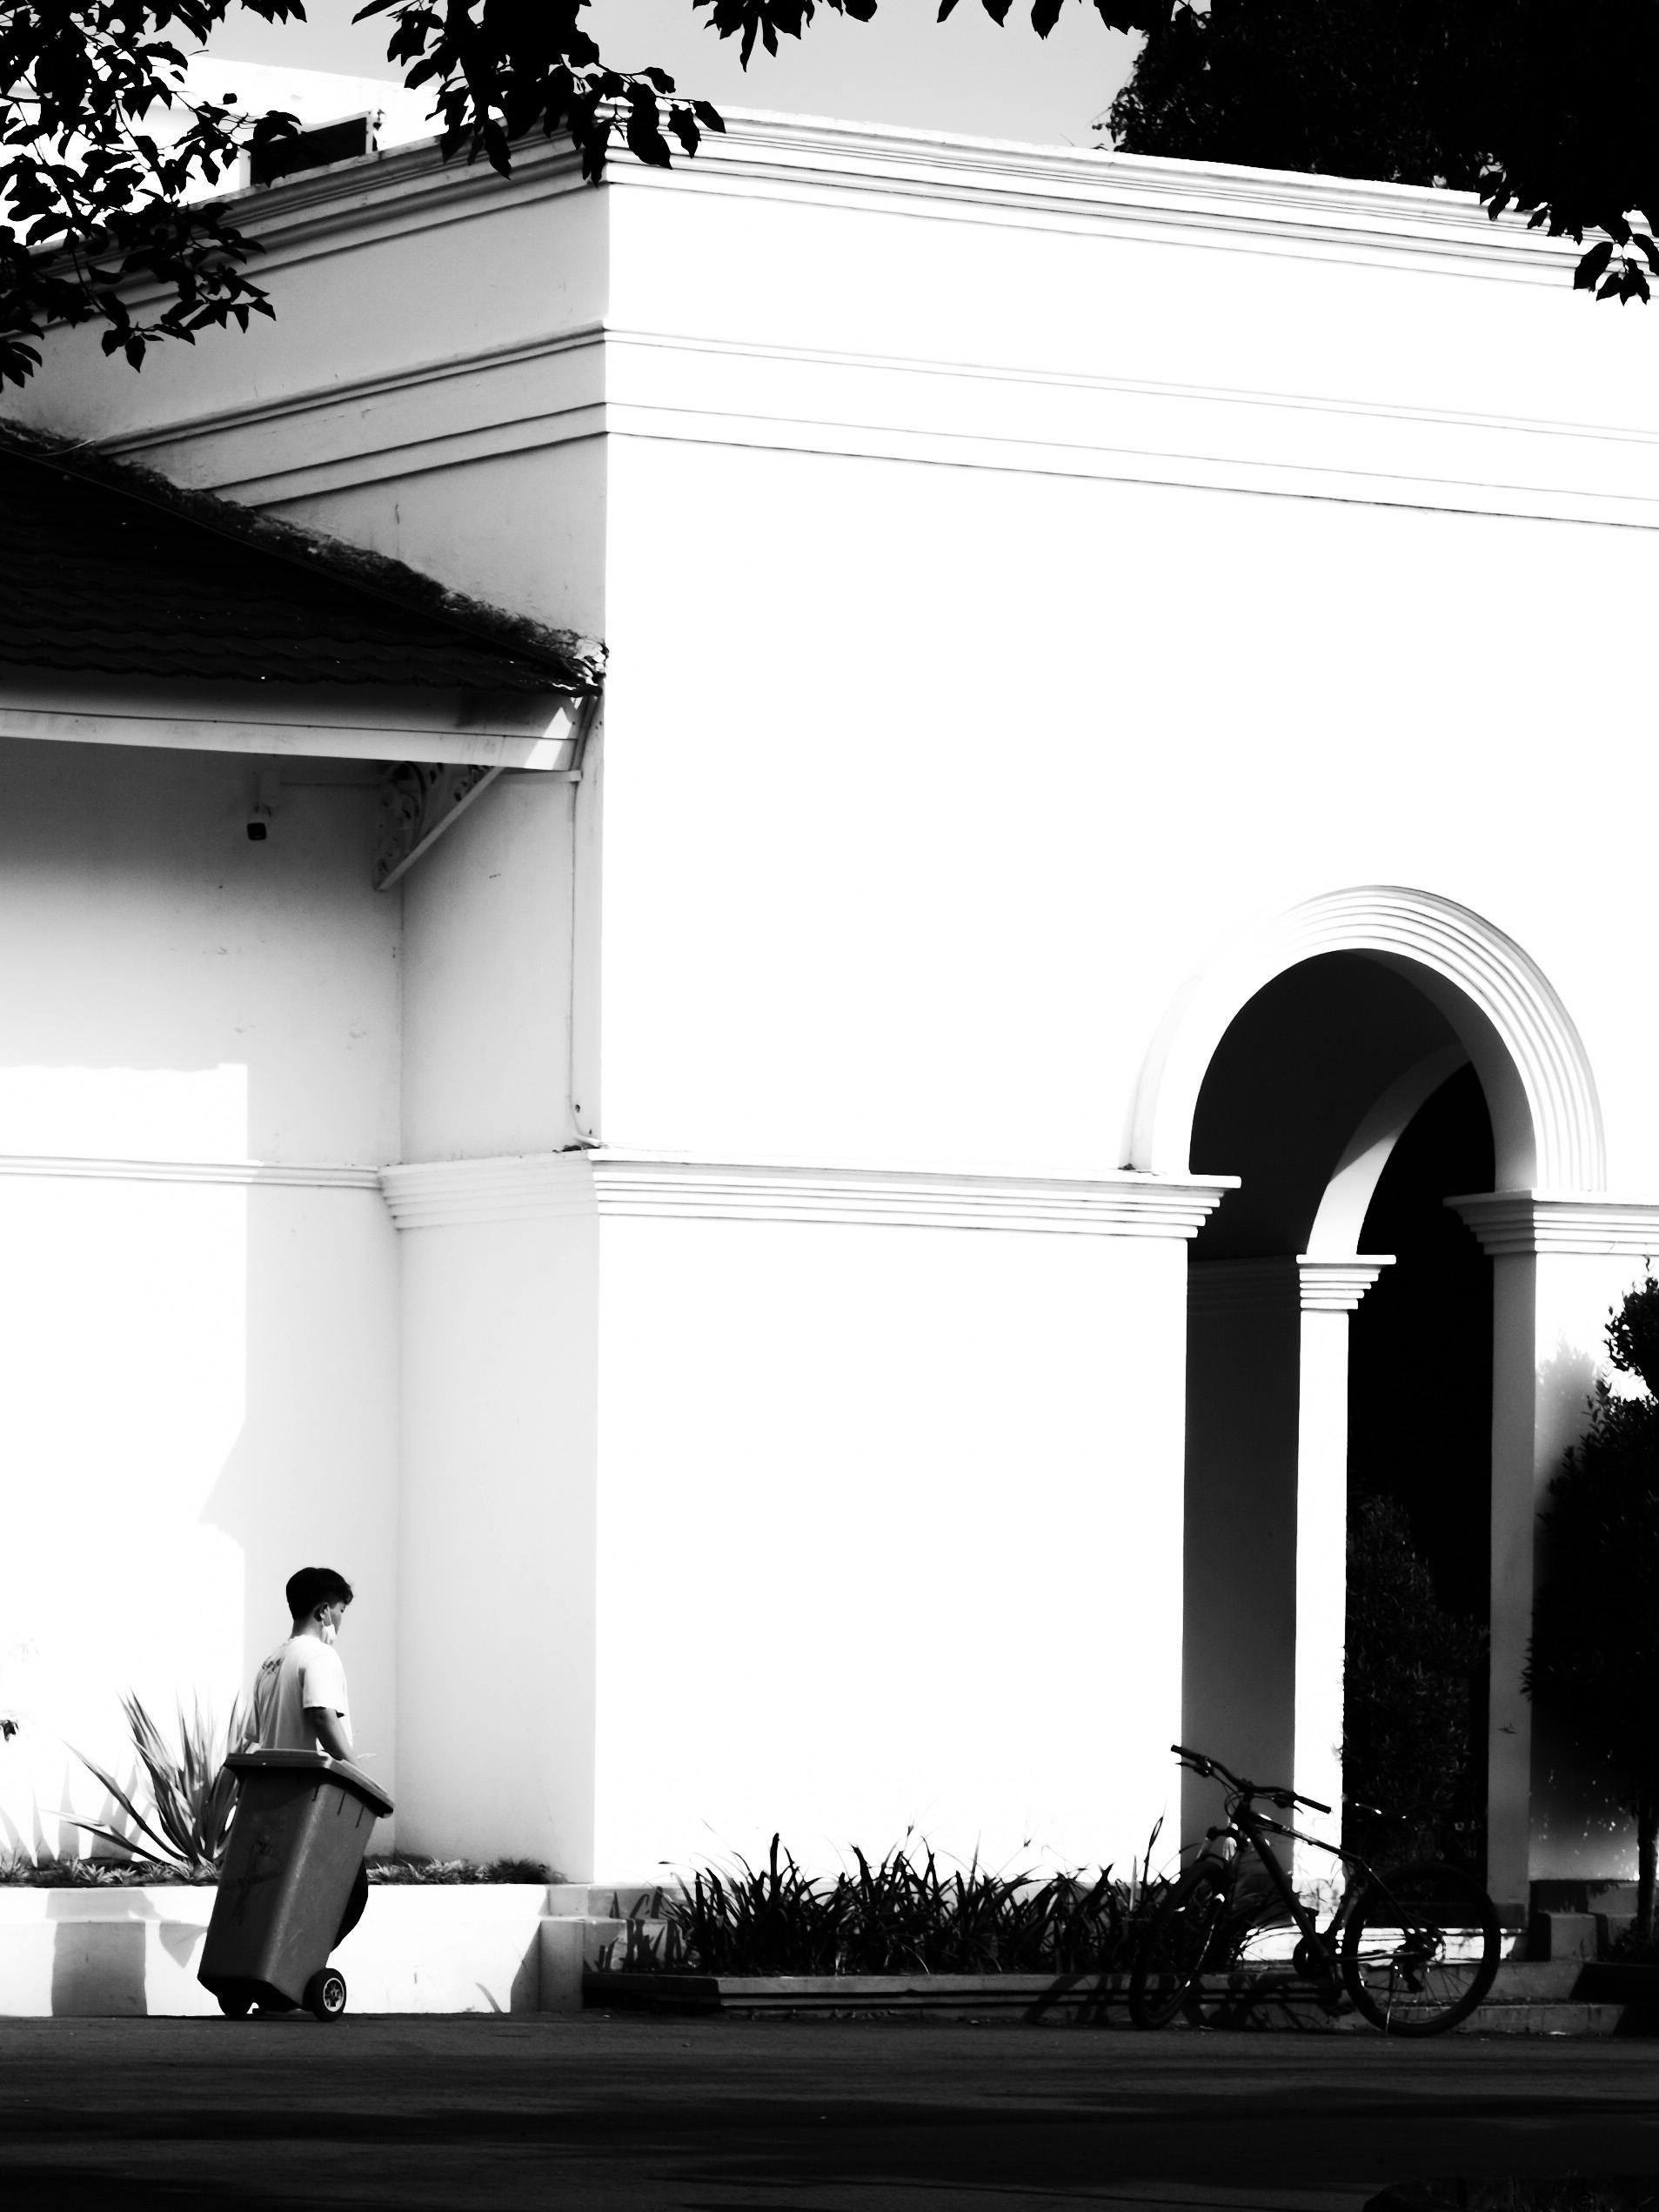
{"points": [[804, 1254]]}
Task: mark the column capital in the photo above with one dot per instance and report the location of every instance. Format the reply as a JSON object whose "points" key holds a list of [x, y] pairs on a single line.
{"points": [[1337, 1286], [1588, 1221], [1242, 1286]]}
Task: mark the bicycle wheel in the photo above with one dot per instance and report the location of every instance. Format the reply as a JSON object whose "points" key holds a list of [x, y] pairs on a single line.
{"points": [[1421, 1949], [1179, 1942]]}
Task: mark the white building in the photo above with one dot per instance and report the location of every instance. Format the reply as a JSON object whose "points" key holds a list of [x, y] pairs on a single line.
{"points": [[710, 1250]]}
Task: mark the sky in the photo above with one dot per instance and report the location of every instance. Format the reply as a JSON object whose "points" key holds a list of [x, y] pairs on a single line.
{"points": [[903, 67]]}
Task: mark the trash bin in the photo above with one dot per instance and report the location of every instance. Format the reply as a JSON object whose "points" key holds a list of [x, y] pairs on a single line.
{"points": [[296, 1847]]}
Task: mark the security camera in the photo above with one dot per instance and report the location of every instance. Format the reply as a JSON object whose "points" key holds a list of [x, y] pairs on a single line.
{"points": [[265, 804]]}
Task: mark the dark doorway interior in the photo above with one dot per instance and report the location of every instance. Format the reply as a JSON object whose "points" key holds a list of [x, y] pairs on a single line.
{"points": [[1420, 1437], [1420, 1351]]}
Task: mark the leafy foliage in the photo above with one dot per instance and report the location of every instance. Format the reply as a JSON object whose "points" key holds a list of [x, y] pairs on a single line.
{"points": [[401, 1870], [93, 200], [85, 172], [1633, 1334], [182, 1818], [1408, 1698], [1595, 1650], [19, 1871], [1542, 105], [899, 1915]]}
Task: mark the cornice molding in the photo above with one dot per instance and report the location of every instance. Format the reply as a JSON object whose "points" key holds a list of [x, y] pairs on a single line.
{"points": [[567, 1185], [369, 428], [763, 155], [1337, 1286], [1243, 1286], [260, 1174], [1510, 1222]]}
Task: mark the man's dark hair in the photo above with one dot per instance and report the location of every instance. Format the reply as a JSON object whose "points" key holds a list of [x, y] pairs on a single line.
{"points": [[314, 1587]]}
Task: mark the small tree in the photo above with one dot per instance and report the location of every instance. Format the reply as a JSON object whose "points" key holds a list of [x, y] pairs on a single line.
{"points": [[1594, 1651], [1411, 1665]]}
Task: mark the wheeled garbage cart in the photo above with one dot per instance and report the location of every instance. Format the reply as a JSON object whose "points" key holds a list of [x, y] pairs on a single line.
{"points": [[295, 1856]]}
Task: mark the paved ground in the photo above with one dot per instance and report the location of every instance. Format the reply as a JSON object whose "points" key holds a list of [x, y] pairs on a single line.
{"points": [[592, 2114]]}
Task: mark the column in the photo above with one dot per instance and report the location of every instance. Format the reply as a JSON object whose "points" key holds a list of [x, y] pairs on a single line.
{"points": [[1330, 1289], [1239, 1643]]}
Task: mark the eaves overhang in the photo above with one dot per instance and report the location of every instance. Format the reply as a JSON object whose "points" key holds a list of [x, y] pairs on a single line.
{"points": [[519, 729]]}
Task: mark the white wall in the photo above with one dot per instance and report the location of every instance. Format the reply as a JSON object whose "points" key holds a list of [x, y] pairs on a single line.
{"points": [[889, 1540], [201, 1364], [486, 960], [495, 1659]]}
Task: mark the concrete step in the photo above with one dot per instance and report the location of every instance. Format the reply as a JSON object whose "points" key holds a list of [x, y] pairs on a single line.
{"points": [[1560, 2019], [1535, 1980]]}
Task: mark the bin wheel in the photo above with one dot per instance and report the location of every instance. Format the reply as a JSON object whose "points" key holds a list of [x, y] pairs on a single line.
{"points": [[325, 1994], [235, 2008]]}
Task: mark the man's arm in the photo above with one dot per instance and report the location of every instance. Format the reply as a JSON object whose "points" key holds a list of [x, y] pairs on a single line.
{"points": [[331, 1731]]}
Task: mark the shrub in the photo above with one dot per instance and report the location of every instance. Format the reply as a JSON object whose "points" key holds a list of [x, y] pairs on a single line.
{"points": [[898, 1914], [401, 1869], [1409, 1679]]}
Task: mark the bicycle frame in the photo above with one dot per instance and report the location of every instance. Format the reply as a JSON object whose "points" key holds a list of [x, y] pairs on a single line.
{"points": [[1244, 1825]]}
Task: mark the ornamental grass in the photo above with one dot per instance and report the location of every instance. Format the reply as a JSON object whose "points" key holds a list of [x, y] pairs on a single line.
{"points": [[901, 1913]]}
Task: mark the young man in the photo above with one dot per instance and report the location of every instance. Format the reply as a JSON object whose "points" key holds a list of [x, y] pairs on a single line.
{"points": [[299, 1701]]}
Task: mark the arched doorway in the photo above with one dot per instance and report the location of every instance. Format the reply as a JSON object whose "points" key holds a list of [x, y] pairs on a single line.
{"points": [[1300, 1061]]}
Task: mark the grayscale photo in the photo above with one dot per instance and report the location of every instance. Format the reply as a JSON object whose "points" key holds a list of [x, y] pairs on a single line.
{"points": [[829, 1105]]}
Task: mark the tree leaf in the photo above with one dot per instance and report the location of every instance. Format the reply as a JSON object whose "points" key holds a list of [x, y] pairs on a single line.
{"points": [[1591, 265]]}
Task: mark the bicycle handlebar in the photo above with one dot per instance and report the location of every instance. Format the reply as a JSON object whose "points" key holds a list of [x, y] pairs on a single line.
{"points": [[1202, 1763]]}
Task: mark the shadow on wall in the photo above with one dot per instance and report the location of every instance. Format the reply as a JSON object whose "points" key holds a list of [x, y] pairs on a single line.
{"points": [[310, 1479], [205, 1384]]}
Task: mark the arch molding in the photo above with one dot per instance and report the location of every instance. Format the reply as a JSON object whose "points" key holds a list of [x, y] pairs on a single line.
{"points": [[1546, 1115]]}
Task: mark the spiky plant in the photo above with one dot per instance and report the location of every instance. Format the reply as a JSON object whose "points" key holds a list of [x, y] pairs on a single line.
{"points": [[191, 1792]]}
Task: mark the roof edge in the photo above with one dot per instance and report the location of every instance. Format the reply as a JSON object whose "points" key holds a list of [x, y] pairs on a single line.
{"points": [[573, 663]]}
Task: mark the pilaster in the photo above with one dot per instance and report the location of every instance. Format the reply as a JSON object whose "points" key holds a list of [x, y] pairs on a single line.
{"points": [[1329, 1291], [1560, 1260]]}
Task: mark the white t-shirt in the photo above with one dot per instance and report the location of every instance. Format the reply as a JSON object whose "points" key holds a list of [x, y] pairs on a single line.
{"points": [[303, 1671]]}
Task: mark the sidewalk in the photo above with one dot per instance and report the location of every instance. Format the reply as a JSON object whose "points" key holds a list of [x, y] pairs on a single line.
{"points": [[595, 2113]]}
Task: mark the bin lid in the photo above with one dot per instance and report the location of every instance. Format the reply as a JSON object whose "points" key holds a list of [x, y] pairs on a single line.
{"points": [[316, 1762]]}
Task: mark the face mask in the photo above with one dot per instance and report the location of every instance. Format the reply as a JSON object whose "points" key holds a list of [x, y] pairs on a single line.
{"points": [[328, 1631]]}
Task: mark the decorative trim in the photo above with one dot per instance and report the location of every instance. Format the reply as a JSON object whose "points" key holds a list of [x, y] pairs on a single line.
{"points": [[418, 801], [1536, 1075], [565, 1185], [1337, 1286], [765, 156], [1242, 1286], [1508, 1222], [455, 1194], [1123, 1205], [260, 1174]]}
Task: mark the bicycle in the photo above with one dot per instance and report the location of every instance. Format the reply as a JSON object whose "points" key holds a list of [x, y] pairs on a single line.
{"points": [[1416, 1949]]}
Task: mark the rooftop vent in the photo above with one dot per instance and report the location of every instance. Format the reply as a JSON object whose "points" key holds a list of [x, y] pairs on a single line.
{"points": [[348, 140]]}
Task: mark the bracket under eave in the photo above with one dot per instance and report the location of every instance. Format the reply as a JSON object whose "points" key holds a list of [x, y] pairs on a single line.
{"points": [[419, 800]]}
